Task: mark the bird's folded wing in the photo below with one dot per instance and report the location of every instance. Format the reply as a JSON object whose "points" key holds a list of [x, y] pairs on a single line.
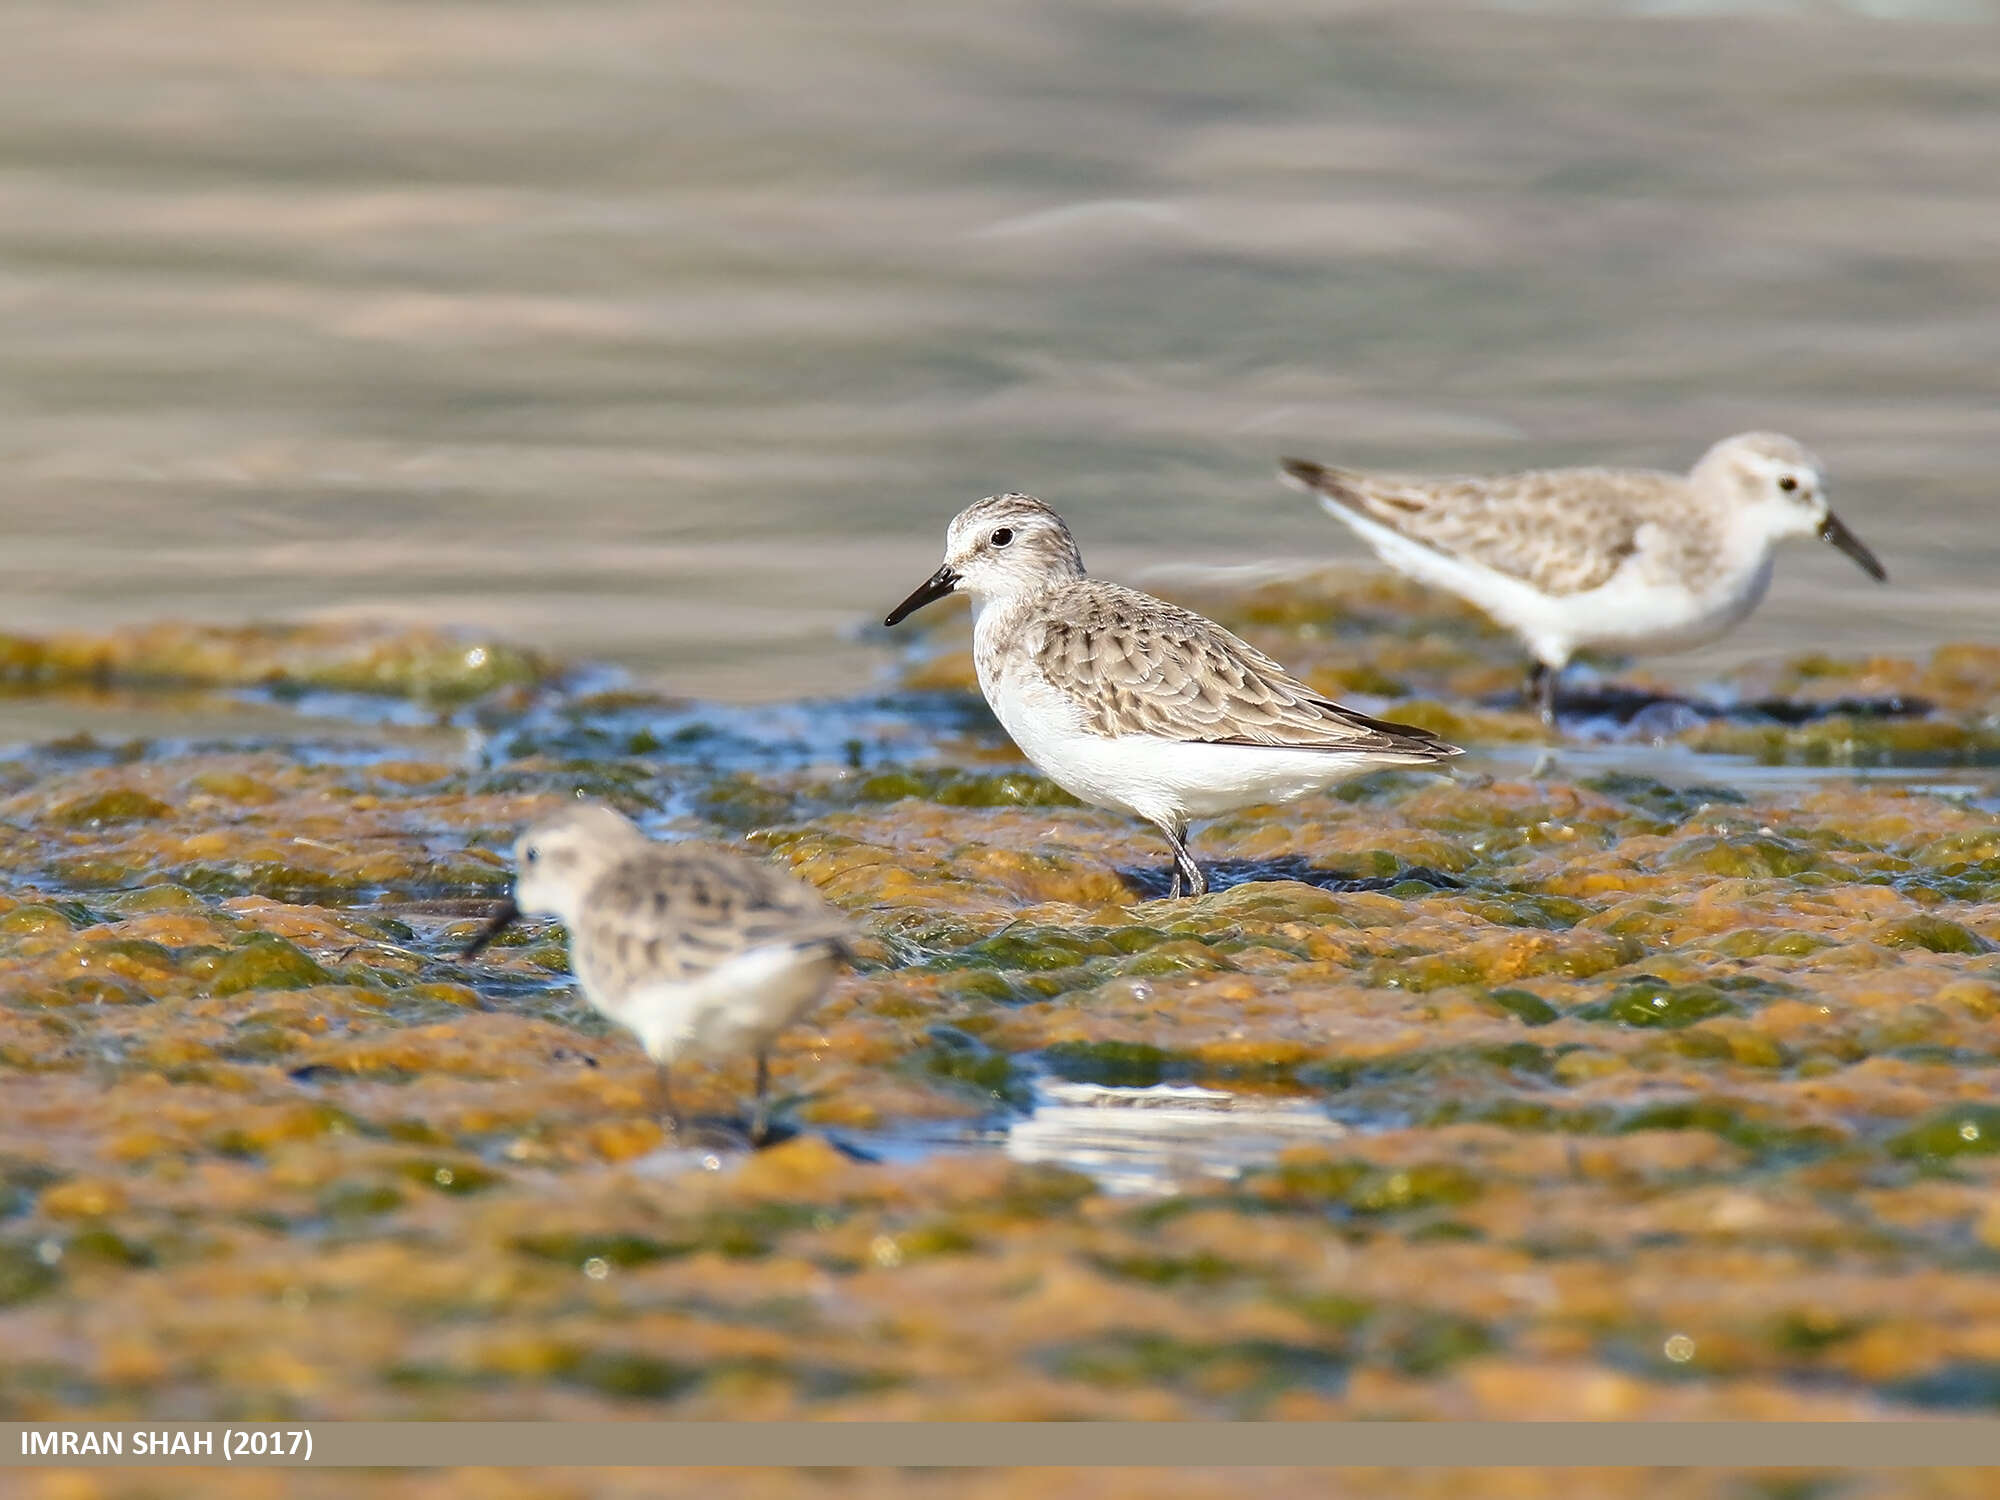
{"points": [[1134, 665], [1563, 531], [680, 912]]}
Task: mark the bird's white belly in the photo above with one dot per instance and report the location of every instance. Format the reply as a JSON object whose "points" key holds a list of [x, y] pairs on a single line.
{"points": [[1645, 616], [1163, 781], [1632, 610], [734, 1009]]}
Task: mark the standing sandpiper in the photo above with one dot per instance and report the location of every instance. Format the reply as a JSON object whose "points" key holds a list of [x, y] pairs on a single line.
{"points": [[1131, 703], [1625, 559], [695, 949]]}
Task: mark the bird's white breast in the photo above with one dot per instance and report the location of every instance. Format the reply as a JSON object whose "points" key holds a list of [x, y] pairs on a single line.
{"points": [[1163, 781], [736, 1008]]}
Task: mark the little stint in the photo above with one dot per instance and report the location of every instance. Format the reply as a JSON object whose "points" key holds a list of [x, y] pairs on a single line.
{"points": [[1622, 559], [1130, 703], [696, 950]]}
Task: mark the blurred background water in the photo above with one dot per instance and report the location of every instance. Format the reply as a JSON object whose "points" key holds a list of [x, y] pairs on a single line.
{"points": [[671, 335]]}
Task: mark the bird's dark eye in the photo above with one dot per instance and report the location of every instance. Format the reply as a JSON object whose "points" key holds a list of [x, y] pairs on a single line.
{"points": [[532, 855], [1003, 536], [1787, 483]]}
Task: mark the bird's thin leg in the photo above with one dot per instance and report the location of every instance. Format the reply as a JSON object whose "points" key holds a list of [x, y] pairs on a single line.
{"points": [[1542, 683], [1184, 865], [1542, 688], [669, 1116], [760, 1109], [1197, 882]]}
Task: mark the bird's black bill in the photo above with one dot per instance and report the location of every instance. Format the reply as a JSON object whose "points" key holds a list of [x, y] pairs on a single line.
{"points": [[499, 922], [936, 587], [1833, 530]]}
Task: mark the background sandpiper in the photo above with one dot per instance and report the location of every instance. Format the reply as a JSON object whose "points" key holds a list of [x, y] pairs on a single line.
{"points": [[1131, 703], [692, 948], [1623, 559]]}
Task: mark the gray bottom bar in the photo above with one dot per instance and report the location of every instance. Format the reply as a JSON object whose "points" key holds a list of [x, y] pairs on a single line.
{"points": [[1824, 1445]]}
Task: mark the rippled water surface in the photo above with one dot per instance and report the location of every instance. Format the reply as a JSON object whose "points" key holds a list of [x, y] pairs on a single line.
{"points": [[671, 335]]}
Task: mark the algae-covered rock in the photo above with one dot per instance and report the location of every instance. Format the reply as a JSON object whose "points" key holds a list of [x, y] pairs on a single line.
{"points": [[1649, 1002], [1528, 1008], [34, 920], [1751, 856], [408, 663], [1932, 934], [112, 805], [1364, 1188], [1958, 1130], [1113, 1064], [1846, 741], [25, 1272], [265, 963], [1645, 1062], [950, 787]]}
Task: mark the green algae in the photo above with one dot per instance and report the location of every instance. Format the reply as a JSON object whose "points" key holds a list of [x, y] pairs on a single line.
{"points": [[1176, 957], [1363, 1188], [1760, 855], [1424, 972], [1031, 950], [964, 1060], [265, 963], [1111, 1064], [1516, 1112], [626, 1373], [742, 802], [1770, 942], [1522, 909], [111, 806], [1428, 1343], [273, 878], [1525, 1006], [1240, 1374], [155, 898], [99, 1245], [25, 1273], [1203, 1268], [580, 1250], [359, 1199], [1960, 1130], [1932, 934], [1649, 1002], [1850, 742], [1672, 804], [1740, 1125], [1042, 1191], [455, 1177], [1415, 1340], [37, 919], [90, 989], [285, 658], [954, 788]]}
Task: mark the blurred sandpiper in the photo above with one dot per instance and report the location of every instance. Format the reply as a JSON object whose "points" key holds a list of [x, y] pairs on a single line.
{"points": [[697, 950], [1632, 560]]}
